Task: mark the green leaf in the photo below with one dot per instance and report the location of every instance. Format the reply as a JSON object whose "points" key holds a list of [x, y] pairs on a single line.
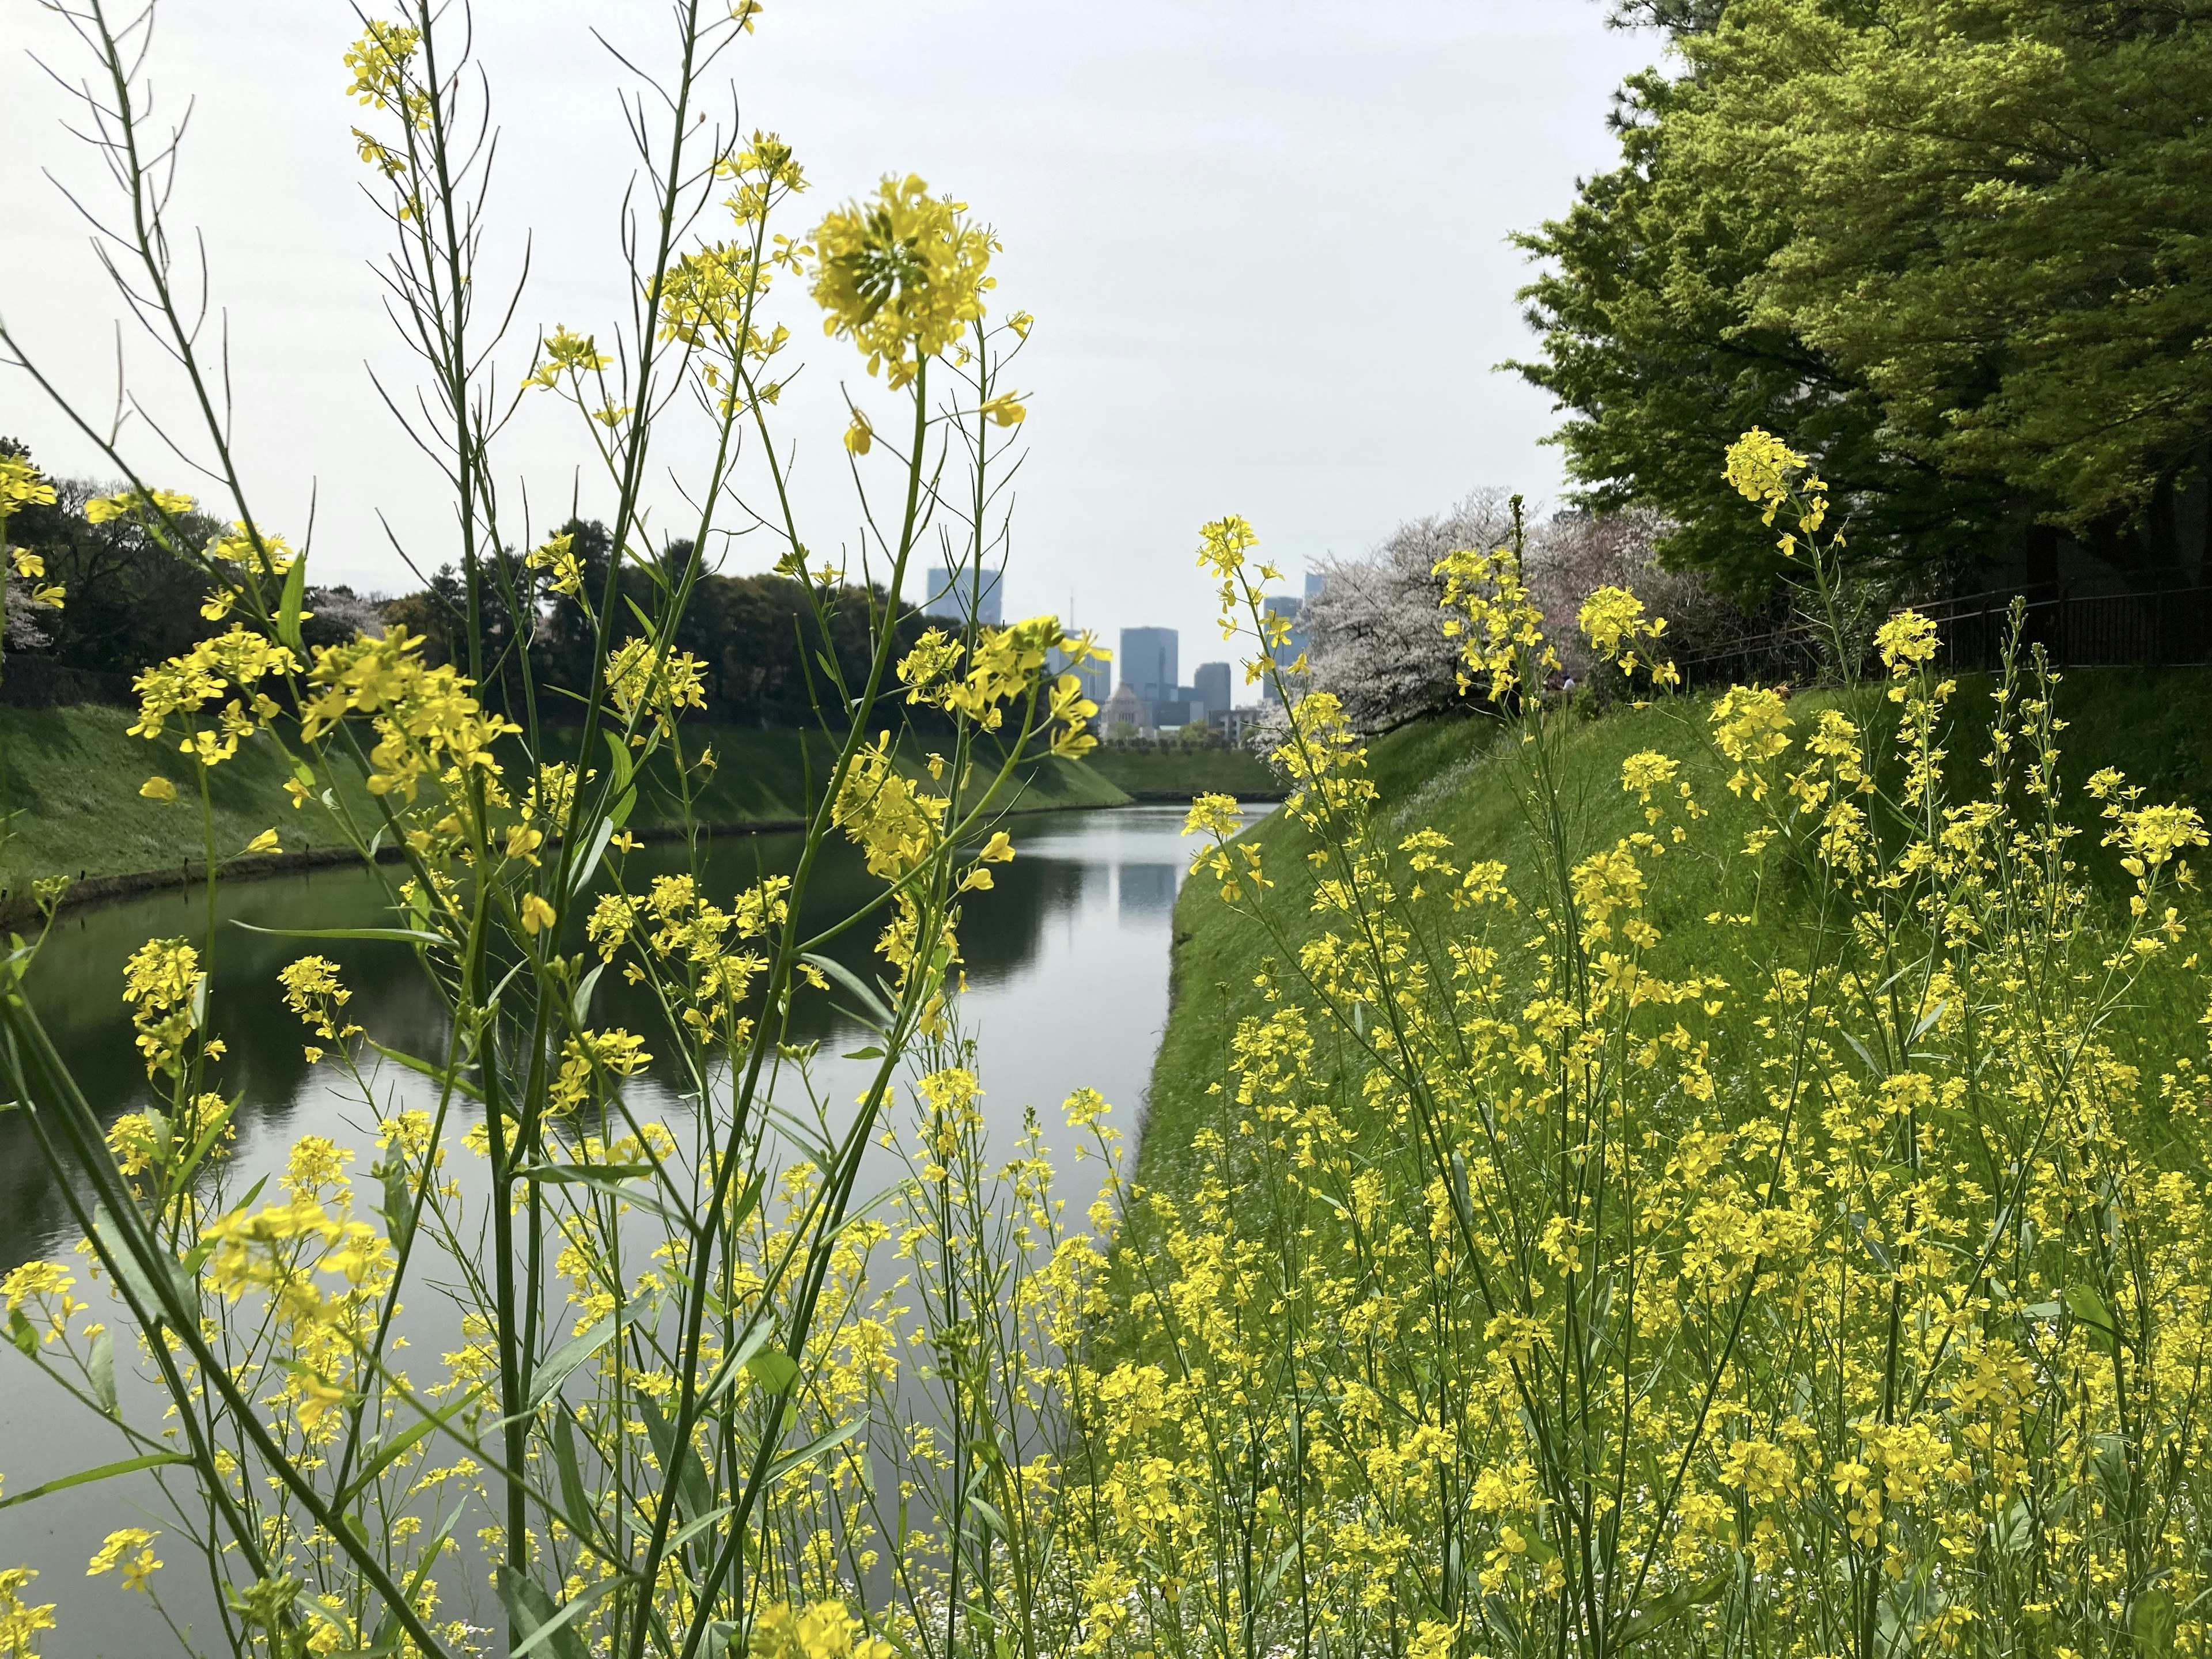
{"points": [[104, 1472], [555, 1628], [607, 1178], [574, 1494], [694, 1497], [580, 1008], [391, 1454], [2151, 1622], [773, 1369], [399, 1206], [580, 873], [183, 1281], [2086, 1306], [288, 609], [403, 935], [21, 1334], [549, 1376], [880, 1015], [623, 797], [829, 1441], [532, 1612], [101, 1369], [202, 1147], [437, 1074]]}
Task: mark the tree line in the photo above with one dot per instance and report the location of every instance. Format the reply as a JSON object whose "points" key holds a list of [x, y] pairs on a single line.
{"points": [[131, 602], [1959, 251]]}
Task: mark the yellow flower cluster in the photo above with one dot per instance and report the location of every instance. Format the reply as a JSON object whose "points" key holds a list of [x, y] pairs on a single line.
{"points": [[427, 724], [172, 693], [146, 506], [1614, 620], [903, 275], [21, 1622], [821, 1631], [119, 1544], [641, 676], [1002, 667], [1500, 631]]}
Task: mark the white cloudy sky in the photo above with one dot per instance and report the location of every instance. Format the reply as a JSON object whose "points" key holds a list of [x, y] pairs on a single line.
{"points": [[1265, 245]]}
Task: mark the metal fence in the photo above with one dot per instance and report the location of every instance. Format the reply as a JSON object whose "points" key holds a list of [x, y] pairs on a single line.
{"points": [[2149, 627], [2077, 626]]}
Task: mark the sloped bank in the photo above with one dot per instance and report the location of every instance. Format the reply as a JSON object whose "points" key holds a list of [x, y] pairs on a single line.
{"points": [[69, 804]]}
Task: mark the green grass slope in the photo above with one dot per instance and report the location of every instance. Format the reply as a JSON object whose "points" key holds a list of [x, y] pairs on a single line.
{"points": [[1168, 773], [1452, 777], [70, 801]]}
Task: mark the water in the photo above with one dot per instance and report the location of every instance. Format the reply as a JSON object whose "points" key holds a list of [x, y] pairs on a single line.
{"points": [[1067, 987]]}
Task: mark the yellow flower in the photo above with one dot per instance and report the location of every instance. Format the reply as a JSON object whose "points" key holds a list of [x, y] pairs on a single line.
{"points": [[824, 1631], [999, 849], [1907, 643], [860, 437], [21, 486], [903, 275], [1005, 410], [119, 1544], [158, 789], [556, 556], [1760, 466], [379, 61], [566, 354], [1614, 621], [264, 842], [101, 508], [20, 1622], [536, 914], [28, 565]]}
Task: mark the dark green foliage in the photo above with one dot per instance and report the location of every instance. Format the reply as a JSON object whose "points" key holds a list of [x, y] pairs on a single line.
{"points": [[130, 600], [756, 634], [1959, 251]]}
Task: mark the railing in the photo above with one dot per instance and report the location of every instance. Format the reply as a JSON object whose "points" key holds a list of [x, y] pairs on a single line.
{"points": [[2145, 627], [2076, 625]]}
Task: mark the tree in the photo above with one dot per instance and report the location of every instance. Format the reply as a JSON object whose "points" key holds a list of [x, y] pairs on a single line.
{"points": [[129, 600], [1957, 249], [1377, 631]]}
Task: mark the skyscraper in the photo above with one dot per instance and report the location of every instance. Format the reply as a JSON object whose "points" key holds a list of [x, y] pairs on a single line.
{"points": [[1212, 681], [951, 591], [1097, 677], [1148, 663], [1287, 654]]}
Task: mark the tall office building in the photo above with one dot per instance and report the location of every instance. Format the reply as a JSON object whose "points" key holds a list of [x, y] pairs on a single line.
{"points": [[1097, 677], [951, 593], [1287, 654], [1211, 681], [1148, 663]]}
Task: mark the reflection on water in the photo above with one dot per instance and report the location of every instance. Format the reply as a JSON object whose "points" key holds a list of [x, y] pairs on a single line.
{"points": [[1148, 890], [1068, 979]]}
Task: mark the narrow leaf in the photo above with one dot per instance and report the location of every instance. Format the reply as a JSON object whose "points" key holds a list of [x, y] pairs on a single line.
{"points": [[101, 1369], [406, 935], [853, 982], [566, 1357], [86, 1477], [288, 609], [830, 1443]]}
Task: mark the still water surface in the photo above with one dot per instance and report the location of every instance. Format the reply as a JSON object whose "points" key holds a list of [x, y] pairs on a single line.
{"points": [[1067, 986]]}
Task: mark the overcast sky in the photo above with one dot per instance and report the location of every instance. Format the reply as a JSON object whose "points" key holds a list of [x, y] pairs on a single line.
{"points": [[1265, 245]]}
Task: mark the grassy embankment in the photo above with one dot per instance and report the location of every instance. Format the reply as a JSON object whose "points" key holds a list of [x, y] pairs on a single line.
{"points": [[1168, 773], [2155, 726], [69, 780]]}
